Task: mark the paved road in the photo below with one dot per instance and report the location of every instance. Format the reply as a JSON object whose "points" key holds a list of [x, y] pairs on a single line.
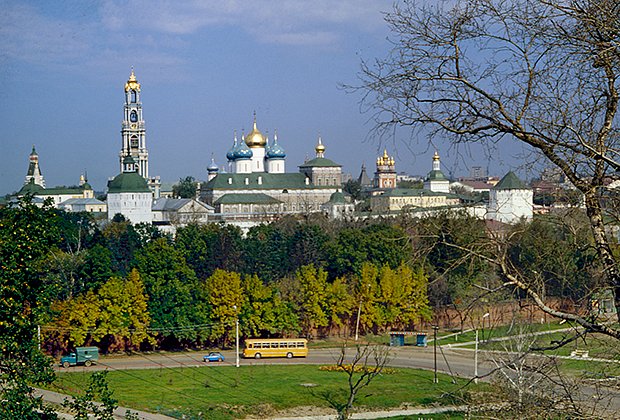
{"points": [[460, 361], [456, 361]]}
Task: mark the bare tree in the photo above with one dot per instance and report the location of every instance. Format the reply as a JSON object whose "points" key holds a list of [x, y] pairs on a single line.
{"points": [[361, 368], [544, 73], [535, 386]]}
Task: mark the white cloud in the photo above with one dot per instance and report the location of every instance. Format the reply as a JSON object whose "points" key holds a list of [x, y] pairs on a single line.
{"points": [[27, 35], [284, 21]]}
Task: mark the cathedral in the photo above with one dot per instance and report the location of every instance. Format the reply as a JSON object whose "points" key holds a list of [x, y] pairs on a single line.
{"points": [[258, 185], [254, 186]]}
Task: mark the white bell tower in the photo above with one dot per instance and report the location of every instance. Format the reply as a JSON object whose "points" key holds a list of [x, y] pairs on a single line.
{"points": [[133, 130]]}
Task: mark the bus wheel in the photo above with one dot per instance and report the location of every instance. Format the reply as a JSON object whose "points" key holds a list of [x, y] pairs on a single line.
{"points": [[257, 356], [88, 363], [289, 355]]}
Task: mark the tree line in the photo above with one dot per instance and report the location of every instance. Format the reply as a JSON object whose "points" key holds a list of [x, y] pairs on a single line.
{"points": [[124, 287]]}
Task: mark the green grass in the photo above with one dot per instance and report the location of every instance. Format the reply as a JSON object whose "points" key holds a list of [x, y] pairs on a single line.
{"points": [[227, 392], [494, 332]]}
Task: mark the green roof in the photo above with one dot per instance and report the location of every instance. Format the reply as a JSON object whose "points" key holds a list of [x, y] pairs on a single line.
{"points": [[337, 198], [294, 181], [436, 176], [510, 182], [320, 162], [252, 198], [35, 189], [31, 188], [128, 182]]}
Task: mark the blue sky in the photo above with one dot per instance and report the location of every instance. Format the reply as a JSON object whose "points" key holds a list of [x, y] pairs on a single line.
{"points": [[205, 67]]}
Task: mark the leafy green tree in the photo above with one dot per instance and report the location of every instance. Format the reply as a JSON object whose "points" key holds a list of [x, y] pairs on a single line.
{"points": [[97, 267], [209, 247], [225, 297], [123, 241], [174, 302], [266, 252], [84, 407], [308, 245], [27, 233], [264, 312], [353, 188], [557, 254], [312, 297], [379, 244], [186, 188]]}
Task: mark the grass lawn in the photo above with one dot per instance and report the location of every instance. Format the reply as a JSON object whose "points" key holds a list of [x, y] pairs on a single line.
{"points": [[225, 392], [495, 332]]}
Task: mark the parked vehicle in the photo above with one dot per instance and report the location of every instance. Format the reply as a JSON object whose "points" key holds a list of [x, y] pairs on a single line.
{"points": [[81, 356], [275, 347], [214, 356]]}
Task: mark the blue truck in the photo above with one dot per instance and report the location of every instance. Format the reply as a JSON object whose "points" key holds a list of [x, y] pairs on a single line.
{"points": [[81, 356]]}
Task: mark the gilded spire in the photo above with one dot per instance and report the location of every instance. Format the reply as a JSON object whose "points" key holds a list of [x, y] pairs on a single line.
{"points": [[132, 83]]}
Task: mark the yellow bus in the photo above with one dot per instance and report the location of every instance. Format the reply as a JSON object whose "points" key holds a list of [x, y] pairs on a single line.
{"points": [[275, 347]]}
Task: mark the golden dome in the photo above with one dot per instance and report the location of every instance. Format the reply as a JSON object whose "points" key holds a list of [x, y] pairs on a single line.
{"points": [[436, 156], [132, 83], [255, 138], [385, 160], [320, 149]]}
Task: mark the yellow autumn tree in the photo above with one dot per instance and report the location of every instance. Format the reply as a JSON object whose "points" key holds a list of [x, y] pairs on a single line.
{"points": [[124, 317], [225, 299]]}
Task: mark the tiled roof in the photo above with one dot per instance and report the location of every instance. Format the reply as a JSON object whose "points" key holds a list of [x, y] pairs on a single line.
{"points": [[436, 176], [128, 182], [510, 182], [320, 162]]}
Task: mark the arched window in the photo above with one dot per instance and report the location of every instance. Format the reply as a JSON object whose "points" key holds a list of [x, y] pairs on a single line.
{"points": [[134, 142], [133, 96], [133, 117]]}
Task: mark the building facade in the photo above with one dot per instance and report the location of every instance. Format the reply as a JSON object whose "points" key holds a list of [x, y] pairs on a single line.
{"points": [[258, 185], [436, 181], [510, 200], [130, 195]]}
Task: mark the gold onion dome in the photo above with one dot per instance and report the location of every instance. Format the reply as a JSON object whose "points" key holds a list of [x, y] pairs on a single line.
{"points": [[436, 156], [132, 83], [255, 138], [385, 159], [320, 148]]}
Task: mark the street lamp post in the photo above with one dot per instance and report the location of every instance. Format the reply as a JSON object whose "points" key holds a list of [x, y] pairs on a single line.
{"points": [[359, 313], [476, 352], [357, 321], [435, 328], [236, 336]]}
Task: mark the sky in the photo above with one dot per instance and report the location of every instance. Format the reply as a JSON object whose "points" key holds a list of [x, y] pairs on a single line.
{"points": [[205, 67]]}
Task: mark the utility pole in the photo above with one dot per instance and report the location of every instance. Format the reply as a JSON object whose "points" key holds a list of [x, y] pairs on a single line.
{"points": [[435, 328], [476, 349], [357, 321], [476, 359], [236, 336]]}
